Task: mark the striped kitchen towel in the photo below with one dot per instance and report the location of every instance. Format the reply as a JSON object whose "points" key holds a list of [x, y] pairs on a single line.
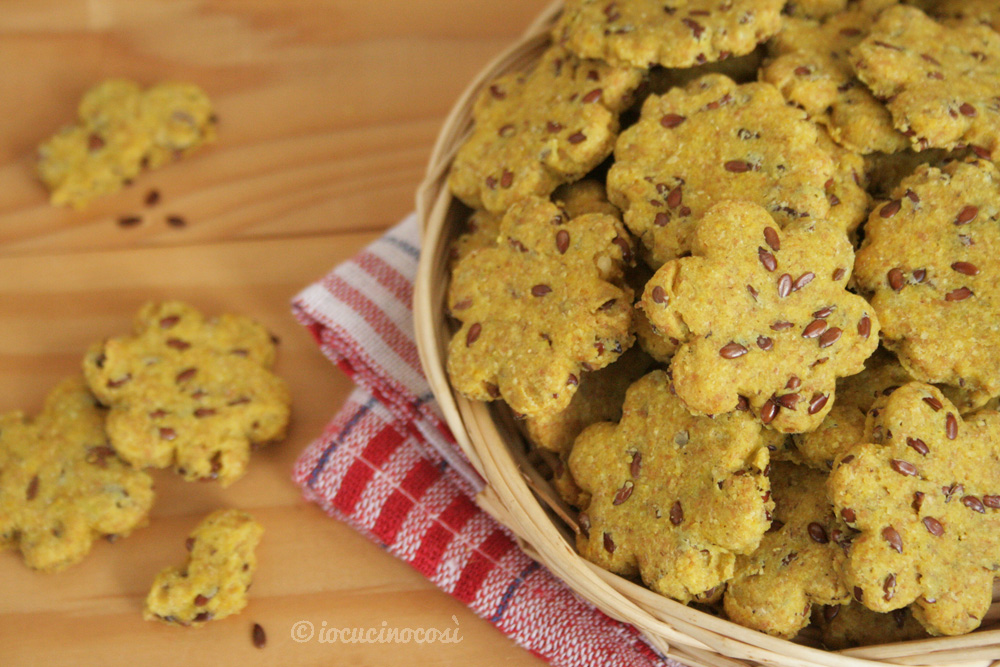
{"points": [[388, 466]]}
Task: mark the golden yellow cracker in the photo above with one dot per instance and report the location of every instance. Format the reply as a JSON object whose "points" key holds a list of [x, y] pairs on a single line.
{"points": [[120, 130], [929, 260], [213, 584], [61, 484], [798, 562], [190, 392], [673, 497], [676, 33], [598, 398], [813, 69], [539, 129], [763, 317], [924, 492], [940, 81], [716, 140], [850, 625], [542, 306]]}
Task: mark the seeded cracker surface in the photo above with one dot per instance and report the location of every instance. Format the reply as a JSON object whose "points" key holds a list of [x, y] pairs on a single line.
{"points": [[214, 582], [855, 625], [674, 33], [924, 492], [61, 484], [930, 262], [940, 80], [715, 140], [120, 130], [814, 9], [539, 129], [763, 317], [798, 562], [189, 392], [813, 69], [547, 303], [674, 497]]}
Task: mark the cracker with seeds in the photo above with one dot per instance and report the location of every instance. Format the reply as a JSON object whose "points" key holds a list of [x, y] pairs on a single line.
{"points": [[121, 130], [929, 263], [213, 584], [673, 497], [674, 33], [190, 392], [545, 304], [798, 562], [940, 81], [763, 317], [851, 625], [61, 484], [718, 140], [538, 129], [923, 489], [812, 67]]}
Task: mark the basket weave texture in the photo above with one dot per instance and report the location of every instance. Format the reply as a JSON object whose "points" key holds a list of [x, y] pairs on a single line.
{"points": [[520, 498]]}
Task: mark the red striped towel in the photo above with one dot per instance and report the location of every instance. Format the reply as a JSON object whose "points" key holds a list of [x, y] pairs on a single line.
{"points": [[388, 466]]}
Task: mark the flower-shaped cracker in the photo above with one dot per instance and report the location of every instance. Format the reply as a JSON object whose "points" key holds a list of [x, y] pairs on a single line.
{"points": [[940, 80], [543, 305], [797, 564], [924, 492], [673, 496], [61, 485], [189, 392], [714, 140], [763, 317], [930, 262], [672, 33], [539, 129]]}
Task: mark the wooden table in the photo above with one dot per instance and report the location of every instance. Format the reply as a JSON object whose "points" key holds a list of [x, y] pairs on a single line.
{"points": [[328, 111]]}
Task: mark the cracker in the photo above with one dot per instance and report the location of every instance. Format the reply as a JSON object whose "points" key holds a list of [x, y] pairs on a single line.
{"points": [[813, 69], [940, 80], [844, 425], [716, 140], [814, 9], [544, 305], [190, 392], [673, 497], [121, 130], [929, 263], [924, 492], [851, 625], [763, 317], [539, 129], [61, 484], [797, 564], [675, 33], [214, 581]]}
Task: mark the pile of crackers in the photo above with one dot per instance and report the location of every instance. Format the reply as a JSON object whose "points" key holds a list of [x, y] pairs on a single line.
{"points": [[734, 265]]}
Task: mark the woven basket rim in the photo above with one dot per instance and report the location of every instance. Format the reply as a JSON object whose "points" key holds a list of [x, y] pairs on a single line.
{"points": [[687, 635]]}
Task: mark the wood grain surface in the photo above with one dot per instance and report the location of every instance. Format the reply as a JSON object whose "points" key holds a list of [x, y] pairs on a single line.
{"points": [[328, 110]]}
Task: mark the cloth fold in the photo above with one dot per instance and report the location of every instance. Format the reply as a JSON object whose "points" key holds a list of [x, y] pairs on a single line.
{"points": [[388, 466]]}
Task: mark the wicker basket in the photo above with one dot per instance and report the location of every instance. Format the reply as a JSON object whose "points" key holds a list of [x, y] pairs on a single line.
{"points": [[520, 498]]}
